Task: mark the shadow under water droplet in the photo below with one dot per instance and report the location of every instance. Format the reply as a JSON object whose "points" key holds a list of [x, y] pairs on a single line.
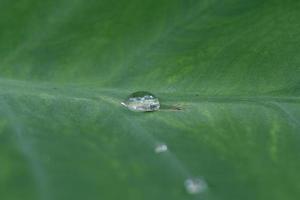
{"points": [[164, 107]]}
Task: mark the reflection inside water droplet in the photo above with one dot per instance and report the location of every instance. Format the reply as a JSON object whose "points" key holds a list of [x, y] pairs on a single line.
{"points": [[160, 148], [195, 185], [142, 101]]}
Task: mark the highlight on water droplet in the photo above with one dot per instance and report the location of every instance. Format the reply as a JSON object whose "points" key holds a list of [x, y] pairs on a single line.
{"points": [[195, 185], [142, 102], [160, 148]]}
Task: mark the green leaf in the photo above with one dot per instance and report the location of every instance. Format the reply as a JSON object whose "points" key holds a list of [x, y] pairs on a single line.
{"points": [[233, 66]]}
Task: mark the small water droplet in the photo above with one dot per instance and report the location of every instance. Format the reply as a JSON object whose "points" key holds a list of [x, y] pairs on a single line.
{"points": [[195, 185], [142, 102], [160, 148]]}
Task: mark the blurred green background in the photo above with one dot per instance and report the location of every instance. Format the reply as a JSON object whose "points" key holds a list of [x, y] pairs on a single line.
{"points": [[232, 65]]}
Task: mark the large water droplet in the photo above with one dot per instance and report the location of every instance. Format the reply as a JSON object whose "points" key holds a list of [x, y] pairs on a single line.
{"points": [[160, 148], [195, 185], [142, 101]]}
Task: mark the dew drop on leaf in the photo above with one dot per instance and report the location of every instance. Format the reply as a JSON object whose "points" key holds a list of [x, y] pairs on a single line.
{"points": [[160, 148], [142, 102], [195, 185]]}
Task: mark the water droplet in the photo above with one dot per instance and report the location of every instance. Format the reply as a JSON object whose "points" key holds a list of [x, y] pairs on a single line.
{"points": [[142, 101], [160, 148], [195, 185]]}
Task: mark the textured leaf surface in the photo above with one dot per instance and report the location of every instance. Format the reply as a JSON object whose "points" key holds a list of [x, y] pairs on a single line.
{"points": [[232, 65]]}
